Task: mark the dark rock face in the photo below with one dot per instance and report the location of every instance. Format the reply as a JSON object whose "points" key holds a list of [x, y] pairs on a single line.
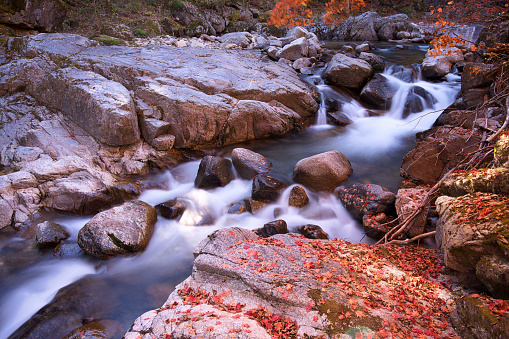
{"points": [[266, 188], [312, 232], [214, 172], [376, 61], [67, 250], [348, 72], [338, 119], [378, 93], [417, 100], [272, 228], [121, 230], [322, 172], [248, 163], [100, 329], [171, 209], [438, 150], [298, 197], [361, 200], [50, 234], [475, 82], [493, 272], [45, 15]]}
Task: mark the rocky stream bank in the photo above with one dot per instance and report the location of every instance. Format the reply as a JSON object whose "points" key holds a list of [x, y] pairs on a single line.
{"points": [[79, 120]]}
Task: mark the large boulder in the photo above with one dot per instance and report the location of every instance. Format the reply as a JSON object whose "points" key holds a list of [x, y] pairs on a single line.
{"points": [[476, 79], [487, 180], [502, 150], [417, 100], [362, 27], [50, 234], [45, 15], [248, 163], [387, 28], [6, 214], [348, 72], [121, 230], [378, 92], [322, 172], [242, 39], [434, 67], [365, 199], [294, 50], [214, 172], [438, 150]]}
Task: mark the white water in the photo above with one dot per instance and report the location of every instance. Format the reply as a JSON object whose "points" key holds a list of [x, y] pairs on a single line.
{"points": [[368, 140]]}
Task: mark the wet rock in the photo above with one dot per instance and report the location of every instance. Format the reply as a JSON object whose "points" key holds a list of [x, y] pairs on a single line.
{"points": [[214, 172], [171, 209], [348, 72], [361, 200], [298, 197], [435, 67], [493, 272], [438, 150], [50, 234], [45, 15], [254, 206], [70, 90], [248, 163], [376, 61], [312, 232], [407, 201], [197, 215], [272, 228], [67, 250], [121, 230], [417, 100], [338, 119], [322, 172], [374, 225], [237, 208], [378, 92], [473, 318], [89, 297], [100, 329], [266, 188], [405, 74], [294, 50]]}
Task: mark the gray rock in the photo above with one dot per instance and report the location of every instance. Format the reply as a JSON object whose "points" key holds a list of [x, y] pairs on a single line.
{"points": [[362, 27], [301, 63], [388, 27], [67, 250], [45, 15], [163, 142], [50, 234], [378, 92], [242, 39], [214, 172], [248, 163], [102, 107], [121, 230], [347, 72], [153, 128], [6, 214], [493, 271], [362, 48], [172, 209], [56, 46], [368, 199], [322, 172], [266, 188], [417, 100], [376, 61], [294, 50], [435, 67]]}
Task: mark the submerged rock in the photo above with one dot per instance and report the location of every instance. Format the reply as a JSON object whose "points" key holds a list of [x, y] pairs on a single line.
{"points": [[322, 172], [121, 230]]}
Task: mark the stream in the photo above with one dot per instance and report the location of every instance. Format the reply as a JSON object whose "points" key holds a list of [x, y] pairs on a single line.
{"points": [[375, 144]]}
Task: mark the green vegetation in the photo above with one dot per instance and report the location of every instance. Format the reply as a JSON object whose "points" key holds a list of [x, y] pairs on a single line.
{"points": [[140, 33], [107, 41]]}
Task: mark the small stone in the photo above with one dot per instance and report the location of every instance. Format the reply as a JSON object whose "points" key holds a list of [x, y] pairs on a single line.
{"points": [[50, 234]]}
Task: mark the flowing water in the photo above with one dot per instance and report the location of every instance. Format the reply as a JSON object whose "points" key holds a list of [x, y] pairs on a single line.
{"points": [[374, 145]]}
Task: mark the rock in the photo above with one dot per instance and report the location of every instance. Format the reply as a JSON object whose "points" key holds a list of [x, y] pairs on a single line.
{"points": [[242, 39], [378, 92], [253, 206], [405, 74], [121, 230], [298, 32], [181, 43], [237, 208], [312, 232], [171, 209], [301, 63], [46, 15], [348, 72], [294, 50], [102, 107], [119, 31], [474, 319], [376, 61], [55, 46], [438, 150], [349, 51], [338, 119], [89, 297], [493, 271], [6, 214], [298, 197], [362, 27], [494, 180], [374, 225], [417, 100], [388, 27], [403, 35], [67, 250], [310, 304], [366, 199], [435, 67], [50, 234], [322, 172], [362, 48], [477, 75], [163, 142], [99, 329], [464, 237], [214, 172], [266, 188], [248, 163], [407, 201], [153, 128], [502, 150], [272, 228]]}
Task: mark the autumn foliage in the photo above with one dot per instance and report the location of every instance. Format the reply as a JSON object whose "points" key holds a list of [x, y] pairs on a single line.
{"points": [[288, 13]]}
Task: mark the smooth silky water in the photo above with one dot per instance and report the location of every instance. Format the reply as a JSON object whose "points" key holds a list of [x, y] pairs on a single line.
{"points": [[374, 145]]}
